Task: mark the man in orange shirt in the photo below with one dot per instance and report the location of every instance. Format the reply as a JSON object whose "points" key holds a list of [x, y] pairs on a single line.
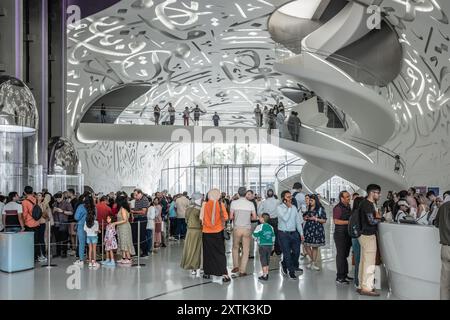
{"points": [[31, 225]]}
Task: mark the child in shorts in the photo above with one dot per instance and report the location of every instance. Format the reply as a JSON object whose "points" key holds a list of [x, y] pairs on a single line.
{"points": [[265, 236]]}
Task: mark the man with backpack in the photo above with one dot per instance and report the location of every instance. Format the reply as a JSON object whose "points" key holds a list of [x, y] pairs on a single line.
{"points": [[31, 213], [341, 216], [298, 197], [369, 220]]}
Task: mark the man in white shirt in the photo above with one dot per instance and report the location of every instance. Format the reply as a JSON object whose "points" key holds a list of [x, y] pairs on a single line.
{"points": [[181, 204], [12, 219], [270, 206], [242, 212]]}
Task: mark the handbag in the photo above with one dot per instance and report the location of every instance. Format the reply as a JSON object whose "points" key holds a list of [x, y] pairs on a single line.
{"points": [[226, 230]]}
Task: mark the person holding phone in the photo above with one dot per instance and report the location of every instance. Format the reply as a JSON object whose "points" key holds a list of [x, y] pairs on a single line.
{"points": [[290, 232]]}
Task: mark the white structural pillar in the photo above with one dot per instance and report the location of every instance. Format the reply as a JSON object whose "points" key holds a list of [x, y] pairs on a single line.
{"points": [[11, 39]]}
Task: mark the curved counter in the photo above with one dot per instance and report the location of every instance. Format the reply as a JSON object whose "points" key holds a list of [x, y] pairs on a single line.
{"points": [[411, 255]]}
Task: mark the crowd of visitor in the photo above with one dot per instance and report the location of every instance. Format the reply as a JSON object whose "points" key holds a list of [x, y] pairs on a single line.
{"points": [[138, 224]]}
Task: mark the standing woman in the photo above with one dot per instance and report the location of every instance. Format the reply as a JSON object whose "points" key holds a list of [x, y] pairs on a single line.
{"points": [[422, 210], [44, 204], [158, 222], [265, 114], [213, 216], [124, 230], [314, 230], [83, 209], [192, 250]]}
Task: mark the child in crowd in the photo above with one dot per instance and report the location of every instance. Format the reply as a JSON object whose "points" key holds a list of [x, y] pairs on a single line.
{"points": [[110, 242], [265, 236], [91, 229]]}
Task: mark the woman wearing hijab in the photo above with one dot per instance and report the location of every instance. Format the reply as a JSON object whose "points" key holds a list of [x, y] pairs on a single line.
{"points": [[213, 216], [192, 250]]}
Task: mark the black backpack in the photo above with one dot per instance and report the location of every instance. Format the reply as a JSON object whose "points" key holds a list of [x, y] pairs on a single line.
{"points": [[354, 224], [36, 213], [294, 201]]}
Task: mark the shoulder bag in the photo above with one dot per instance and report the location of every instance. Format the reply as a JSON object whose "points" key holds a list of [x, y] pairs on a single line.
{"points": [[226, 230]]}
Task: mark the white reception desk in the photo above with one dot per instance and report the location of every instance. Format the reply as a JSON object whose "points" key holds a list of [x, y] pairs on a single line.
{"points": [[412, 257]]}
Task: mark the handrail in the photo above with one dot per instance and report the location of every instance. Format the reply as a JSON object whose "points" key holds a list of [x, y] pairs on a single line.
{"points": [[328, 56], [285, 164], [366, 143]]}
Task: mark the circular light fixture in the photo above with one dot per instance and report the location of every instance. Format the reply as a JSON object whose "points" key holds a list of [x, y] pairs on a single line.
{"points": [[18, 112]]}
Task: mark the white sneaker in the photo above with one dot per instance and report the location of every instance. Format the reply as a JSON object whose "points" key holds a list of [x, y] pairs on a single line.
{"points": [[193, 272], [308, 266], [315, 267], [95, 265], [90, 265], [198, 273], [79, 263]]}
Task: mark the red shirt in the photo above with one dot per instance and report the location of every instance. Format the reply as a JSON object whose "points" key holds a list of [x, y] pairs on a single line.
{"points": [[103, 210]]}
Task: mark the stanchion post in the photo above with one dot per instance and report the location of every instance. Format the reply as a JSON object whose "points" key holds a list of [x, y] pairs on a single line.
{"points": [[49, 248], [139, 246], [101, 242]]}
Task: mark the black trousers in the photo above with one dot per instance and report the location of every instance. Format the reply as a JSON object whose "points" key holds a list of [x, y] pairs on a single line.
{"points": [[37, 250], [343, 244], [143, 233], [173, 226], [62, 241], [274, 223]]}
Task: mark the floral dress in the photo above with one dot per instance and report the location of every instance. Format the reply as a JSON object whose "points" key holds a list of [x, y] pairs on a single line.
{"points": [[314, 231], [110, 238]]}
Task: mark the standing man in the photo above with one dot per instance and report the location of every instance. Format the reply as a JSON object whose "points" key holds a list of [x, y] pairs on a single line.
{"points": [[156, 114], [270, 206], [442, 221], [171, 110], [341, 216], [280, 123], [298, 197], [250, 196], [242, 212], [31, 225], [103, 113], [216, 119], [370, 218], [181, 204], [140, 214], [197, 112], [258, 115], [186, 115], [103, 210], [62, 210], [290, 231]]}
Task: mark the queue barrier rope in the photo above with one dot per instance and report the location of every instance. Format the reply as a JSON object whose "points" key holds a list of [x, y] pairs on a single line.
{"points": [[51, 231]]}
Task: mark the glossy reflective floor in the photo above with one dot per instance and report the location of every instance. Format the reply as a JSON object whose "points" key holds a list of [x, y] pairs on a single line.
{"points": [[162, 278]]}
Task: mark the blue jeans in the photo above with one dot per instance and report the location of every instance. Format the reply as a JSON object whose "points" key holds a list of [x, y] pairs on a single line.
{"points": [[357, 253], [181, 227], [149, 237], [81, 234], [290, 246]]}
